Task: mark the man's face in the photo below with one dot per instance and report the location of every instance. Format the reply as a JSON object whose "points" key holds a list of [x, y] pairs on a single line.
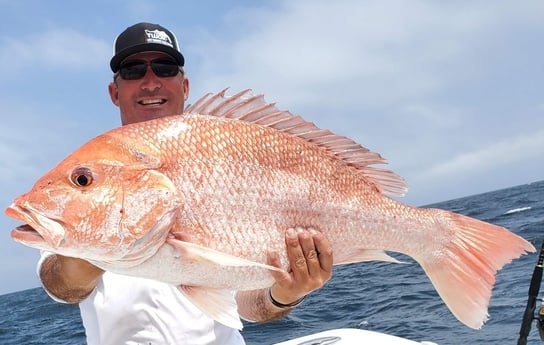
{"points": [[150, 97]]}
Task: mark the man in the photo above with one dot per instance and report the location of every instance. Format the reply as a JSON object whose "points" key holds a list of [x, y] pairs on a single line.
{"points": [[149, 82]]}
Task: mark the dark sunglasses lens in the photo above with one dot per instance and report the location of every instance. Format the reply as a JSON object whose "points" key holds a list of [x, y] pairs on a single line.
{"points": [[133, 71], [164, 69]]}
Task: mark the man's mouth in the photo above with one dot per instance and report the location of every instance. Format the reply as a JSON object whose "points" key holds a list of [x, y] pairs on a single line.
{"points": [[154, 101]]}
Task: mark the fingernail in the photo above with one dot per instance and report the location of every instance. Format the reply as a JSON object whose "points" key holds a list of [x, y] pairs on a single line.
{"points": [[291, 233]]}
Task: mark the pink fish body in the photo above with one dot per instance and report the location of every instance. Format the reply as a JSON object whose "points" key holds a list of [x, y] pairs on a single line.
{"points": [[197, 201]]}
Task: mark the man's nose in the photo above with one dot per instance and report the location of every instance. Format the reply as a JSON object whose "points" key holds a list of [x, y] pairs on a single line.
{"points": [[150, 81]]}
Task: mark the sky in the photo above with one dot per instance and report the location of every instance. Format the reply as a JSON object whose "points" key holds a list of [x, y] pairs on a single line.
{"points": [[450, 93]]}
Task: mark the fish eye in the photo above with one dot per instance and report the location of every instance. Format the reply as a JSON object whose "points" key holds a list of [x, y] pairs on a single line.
{"points": [[82, 177]]}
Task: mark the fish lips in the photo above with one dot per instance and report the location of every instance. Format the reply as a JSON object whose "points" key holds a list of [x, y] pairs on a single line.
{"points": [[27, 235], [39, 232]]}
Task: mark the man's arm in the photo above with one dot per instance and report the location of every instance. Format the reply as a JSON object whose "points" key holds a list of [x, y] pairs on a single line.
{"points": [[69, 279], [310, 260]]}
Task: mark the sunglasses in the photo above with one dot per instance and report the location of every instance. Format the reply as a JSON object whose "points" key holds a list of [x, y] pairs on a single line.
{"points": [[136, 69]]}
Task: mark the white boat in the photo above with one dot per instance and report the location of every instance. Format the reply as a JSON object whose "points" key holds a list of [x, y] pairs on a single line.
{"points": [[351, 336]]}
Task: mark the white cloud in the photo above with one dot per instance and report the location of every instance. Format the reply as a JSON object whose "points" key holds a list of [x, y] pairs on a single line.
{"points": [[352, 49], [490, 158], [64, 49]]}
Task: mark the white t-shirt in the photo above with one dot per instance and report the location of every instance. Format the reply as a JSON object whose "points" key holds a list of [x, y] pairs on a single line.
{"points": [[136, 311]]}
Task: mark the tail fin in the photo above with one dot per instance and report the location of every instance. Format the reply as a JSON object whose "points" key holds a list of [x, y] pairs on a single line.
{"points": [[464, 273]]}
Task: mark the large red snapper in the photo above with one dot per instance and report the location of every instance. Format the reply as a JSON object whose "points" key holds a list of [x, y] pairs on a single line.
{"points": [[197, 201]]}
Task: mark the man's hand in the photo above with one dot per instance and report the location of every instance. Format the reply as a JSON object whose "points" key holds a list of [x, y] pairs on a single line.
{"points": [[310, 261]]}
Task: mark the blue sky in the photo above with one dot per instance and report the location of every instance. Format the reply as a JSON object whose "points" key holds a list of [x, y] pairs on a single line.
{"points": [[449, 92]]}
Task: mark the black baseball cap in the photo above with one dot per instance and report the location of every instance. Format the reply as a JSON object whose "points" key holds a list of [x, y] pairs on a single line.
{"points": [[143, 37]]}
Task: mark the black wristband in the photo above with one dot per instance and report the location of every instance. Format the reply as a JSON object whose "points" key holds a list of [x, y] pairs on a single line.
{"points": [[281, 305]]}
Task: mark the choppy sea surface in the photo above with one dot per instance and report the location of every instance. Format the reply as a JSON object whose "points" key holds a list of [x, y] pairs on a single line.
{"points": [[390, 298]]}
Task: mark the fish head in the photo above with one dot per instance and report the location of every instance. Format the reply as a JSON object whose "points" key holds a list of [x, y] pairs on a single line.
{"points": [[106, 202]]}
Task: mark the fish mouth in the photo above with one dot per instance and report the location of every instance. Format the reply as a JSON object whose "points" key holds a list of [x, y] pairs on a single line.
{"points": [[39, 231], [27, 235]]}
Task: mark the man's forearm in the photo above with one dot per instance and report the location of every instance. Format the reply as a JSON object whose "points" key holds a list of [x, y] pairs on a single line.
{"points": [[69, 279], [257, 306]]}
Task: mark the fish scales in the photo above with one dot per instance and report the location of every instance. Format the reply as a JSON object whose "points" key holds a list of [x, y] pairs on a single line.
{"points": [[300, 184]]}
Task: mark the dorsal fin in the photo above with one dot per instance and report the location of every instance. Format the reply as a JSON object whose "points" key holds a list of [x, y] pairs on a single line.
{"points": [[246, 107]]}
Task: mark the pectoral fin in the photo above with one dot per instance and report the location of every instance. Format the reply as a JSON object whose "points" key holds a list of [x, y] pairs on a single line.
{"points": [[195, 252]]}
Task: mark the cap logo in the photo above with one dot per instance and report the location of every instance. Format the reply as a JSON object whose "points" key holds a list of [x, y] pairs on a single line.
{"points": [[158, 36]]}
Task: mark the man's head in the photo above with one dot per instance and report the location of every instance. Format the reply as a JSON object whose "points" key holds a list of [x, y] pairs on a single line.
{"points": [[149, 81]]}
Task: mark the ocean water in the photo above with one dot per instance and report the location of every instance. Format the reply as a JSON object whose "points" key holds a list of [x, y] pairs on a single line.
{"points": [[390, 298]]}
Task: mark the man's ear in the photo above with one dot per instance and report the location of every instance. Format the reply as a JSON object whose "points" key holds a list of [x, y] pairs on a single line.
{"points": [[114, 93], [186, 88]]}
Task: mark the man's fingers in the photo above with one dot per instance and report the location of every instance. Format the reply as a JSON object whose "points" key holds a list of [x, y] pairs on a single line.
{"points": [[297, 240], [311, 253], [324, 250]]}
